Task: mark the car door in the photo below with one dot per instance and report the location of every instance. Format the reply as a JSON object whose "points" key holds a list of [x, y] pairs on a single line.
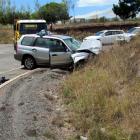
{"points": [[119, 36], [59, 53], [113, 37], [26, 45], [107, 38], [41, 50]]}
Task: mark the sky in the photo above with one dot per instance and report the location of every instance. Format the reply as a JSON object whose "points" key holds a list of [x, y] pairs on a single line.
{"points": [[83, 8]]}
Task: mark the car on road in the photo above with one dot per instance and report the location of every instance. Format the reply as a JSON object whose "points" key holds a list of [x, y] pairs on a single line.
{"points": [[133, 32], [54, 50], [110, 36]]}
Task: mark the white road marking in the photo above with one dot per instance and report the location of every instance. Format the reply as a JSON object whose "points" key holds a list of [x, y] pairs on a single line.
{"points": [[17, 77], [4, 72]]}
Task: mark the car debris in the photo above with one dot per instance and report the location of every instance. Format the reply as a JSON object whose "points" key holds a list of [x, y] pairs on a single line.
{"points": [[3, 80]]}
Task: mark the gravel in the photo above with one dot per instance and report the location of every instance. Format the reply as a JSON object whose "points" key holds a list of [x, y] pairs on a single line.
{"points": [[31, 108]]}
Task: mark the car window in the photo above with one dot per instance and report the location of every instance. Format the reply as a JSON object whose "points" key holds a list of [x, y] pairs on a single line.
{"points": [[118, 32], [99, 33], [56, 45], [137, 31], [41, 42], [28, 41], [113, 32], [108, 33]]}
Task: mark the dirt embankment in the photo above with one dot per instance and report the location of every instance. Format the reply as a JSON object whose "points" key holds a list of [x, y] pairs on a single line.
{"points": [[94, 27], [6, 36], [30, 108]]}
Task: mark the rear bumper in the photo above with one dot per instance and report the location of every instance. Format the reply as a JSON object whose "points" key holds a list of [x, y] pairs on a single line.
{"points": [[18, 57]]}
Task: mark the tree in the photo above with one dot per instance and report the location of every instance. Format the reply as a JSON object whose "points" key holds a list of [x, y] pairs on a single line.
{"points": [[103, 19], [53, 12], [127, 8], [9, 12]]}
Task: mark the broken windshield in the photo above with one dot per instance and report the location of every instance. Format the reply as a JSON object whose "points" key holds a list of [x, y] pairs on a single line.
{"points": [[73, 43]]}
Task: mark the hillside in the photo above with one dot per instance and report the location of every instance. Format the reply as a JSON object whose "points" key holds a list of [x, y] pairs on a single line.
{"points": [[104, 98], [6, 36], [95, 26]]}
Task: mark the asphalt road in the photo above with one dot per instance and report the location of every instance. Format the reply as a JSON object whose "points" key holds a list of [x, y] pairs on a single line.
{"points": [[7, 61]]}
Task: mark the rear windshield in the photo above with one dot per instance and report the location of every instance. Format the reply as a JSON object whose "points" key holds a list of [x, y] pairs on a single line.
{"points": [[32, 28], [28, 41]]}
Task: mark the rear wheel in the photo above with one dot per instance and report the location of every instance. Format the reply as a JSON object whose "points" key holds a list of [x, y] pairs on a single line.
{"points": [[29, 62]]}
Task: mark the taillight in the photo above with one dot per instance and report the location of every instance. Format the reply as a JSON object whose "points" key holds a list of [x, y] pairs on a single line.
{"points": [[16, 47]]}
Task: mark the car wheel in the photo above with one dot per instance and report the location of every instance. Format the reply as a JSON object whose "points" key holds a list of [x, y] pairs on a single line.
{"points": [[79, 65], [91, 56], [29, 63]]}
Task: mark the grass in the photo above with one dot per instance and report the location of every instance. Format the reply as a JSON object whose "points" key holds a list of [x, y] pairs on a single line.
{"points": [[6, 36], [50, 135], [104, 97]]}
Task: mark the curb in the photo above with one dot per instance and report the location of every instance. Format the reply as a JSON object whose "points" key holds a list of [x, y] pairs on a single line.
{"points": [[18, 77]]}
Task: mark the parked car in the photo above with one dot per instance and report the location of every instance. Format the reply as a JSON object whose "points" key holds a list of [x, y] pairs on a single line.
{"points": [[54, 50], [110, 36], [133, 32]]}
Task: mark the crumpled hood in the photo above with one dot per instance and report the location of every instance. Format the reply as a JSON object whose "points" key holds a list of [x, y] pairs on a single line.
{"points": [[92, 45]]}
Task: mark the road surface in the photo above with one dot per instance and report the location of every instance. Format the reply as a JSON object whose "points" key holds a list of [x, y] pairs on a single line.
{"points": [[9, 67], [7, 61]]}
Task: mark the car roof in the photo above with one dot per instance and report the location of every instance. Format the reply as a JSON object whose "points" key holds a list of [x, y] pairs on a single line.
{"points": [[110, 30], [31, 21], [48, 36], [113, 30], [137, 27], [61, 36]]}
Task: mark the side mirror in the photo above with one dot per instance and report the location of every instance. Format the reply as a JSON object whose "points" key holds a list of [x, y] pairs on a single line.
{"points": [[67, 50]]}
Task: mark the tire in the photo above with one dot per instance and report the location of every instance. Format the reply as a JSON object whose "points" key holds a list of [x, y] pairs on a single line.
{"points": [[79, 65], [91, 56], [29, 62]]}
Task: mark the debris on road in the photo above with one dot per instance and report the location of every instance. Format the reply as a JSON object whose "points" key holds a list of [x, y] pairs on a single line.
{"points": [[3, 80]]}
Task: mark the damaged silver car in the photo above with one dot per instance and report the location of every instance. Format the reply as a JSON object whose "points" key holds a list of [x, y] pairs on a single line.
{"points": [[54, 50]]}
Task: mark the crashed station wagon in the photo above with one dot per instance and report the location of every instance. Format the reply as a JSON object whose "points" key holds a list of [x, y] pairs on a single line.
{"points": [[54, 50]]}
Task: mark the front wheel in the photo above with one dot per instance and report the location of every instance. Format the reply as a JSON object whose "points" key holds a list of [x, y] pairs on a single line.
{"points": [[91, 56], [29, 63]]}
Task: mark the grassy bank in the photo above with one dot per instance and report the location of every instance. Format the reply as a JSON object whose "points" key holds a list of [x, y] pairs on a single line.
{"points": [[104, 98], [6, 36]]}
